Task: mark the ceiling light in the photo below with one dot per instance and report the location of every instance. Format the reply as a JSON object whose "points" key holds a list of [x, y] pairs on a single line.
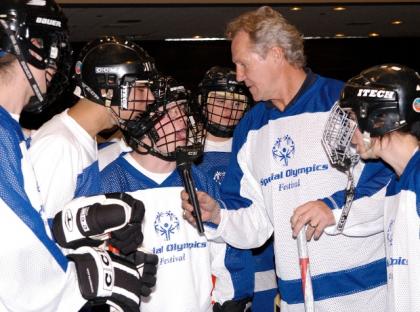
{"points": [[373, 34], [339, 9], [339, 35], [295, 9], [196, 38], [396, 22]]}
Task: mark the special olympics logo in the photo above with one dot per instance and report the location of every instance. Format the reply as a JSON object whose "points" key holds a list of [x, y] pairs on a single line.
{"points": [[283, 149], [165, 224], [219, 176]]}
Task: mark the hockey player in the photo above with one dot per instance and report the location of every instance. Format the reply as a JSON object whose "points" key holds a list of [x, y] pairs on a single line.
{"points": [[279, 164], [221, 103], [36, 275], [149, 172], [381, 106], [112, 77]]}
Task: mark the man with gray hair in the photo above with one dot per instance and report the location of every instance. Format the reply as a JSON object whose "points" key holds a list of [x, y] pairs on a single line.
{"points": [[279, 164]]}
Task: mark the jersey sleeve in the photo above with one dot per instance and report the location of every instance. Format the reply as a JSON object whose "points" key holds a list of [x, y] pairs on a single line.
{"points": [[244, 220], [55, 162], [366, 212], [35, 274]]}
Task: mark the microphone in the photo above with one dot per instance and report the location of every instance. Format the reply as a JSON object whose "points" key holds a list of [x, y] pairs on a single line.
{"points": [[185, 156]]}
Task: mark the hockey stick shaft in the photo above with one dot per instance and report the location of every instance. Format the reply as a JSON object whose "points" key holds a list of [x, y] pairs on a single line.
{"points": [[305, 271]]}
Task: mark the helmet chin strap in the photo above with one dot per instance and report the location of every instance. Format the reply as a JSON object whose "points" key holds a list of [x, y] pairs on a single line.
{"points": [[23, 63]]}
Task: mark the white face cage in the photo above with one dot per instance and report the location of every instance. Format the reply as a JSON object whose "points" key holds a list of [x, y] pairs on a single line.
{"points": [[336, 139]]}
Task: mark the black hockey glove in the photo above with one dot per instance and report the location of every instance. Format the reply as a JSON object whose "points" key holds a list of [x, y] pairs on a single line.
{"points": [[106, 278], [241, 305], [87, 221], [147, 267]]}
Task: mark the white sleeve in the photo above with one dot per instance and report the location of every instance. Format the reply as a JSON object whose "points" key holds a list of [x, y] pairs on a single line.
{"points": [[35, 275], [245, 222], [366, 212], [56, 163], [244, 228], [366, 216]]}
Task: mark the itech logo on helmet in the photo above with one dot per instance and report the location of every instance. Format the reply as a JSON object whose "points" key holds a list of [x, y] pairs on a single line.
{"points": [[376, 93]]}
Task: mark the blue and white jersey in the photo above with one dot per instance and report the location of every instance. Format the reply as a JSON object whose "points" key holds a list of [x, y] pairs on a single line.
{"points": [[279, 165], [35, 275], [65, 160], [264, 288], [184, 280], [110, 150], [402, 239]]}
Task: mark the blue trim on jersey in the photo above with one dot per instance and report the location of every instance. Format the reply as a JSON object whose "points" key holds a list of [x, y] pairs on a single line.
{"points": [[12, 185], [126, 178], [409, 180], [263, 301], [375, 176], [337, 284], [87, 181], [240, 266], [104, 144], [264, 257]]}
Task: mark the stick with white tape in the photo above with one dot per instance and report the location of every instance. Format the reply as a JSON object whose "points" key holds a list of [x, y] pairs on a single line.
{"points": [[305, 271]]}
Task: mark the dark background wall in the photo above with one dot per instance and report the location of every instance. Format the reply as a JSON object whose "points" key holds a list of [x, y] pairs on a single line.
{"points": [[336, 58]]}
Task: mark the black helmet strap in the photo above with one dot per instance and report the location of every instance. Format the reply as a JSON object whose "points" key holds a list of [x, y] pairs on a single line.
{"points": [[22, 62]]}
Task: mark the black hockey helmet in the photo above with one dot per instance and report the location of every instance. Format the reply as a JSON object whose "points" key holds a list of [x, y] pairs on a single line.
{"points": [[384, 98], [111, 68], [157, 131], [40, 27], [222, 101]]}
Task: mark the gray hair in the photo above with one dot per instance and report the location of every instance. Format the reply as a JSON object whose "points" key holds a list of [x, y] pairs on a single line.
{"points": [[267, 28]]}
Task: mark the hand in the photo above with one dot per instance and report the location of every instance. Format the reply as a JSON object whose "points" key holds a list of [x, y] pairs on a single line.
{"points": [[130, 237], [210, 210], [147, 267], [107, 278], [316, 214], [87, 221]]}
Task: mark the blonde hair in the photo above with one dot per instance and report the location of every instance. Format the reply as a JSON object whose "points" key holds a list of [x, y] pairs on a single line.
{"points": [[267, 28], [227, 95]]}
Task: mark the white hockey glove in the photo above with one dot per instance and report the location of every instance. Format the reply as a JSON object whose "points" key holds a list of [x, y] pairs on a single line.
{"points": [[87, 221], [107, 278]]}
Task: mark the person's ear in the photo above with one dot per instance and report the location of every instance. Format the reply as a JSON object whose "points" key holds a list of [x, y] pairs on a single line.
{"points": [[277, 54]]}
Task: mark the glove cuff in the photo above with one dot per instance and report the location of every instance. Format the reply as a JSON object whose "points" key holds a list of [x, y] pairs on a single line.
{"points": [[95, 272]]}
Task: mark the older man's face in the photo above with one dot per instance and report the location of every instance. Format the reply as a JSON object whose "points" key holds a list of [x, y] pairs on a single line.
{"points": [[257, 72]]}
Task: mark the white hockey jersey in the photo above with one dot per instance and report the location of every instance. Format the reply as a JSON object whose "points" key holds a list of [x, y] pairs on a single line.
{"points": [[65, 160], [35, 275], [183, 277], [279, 165], [402, 230]]}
